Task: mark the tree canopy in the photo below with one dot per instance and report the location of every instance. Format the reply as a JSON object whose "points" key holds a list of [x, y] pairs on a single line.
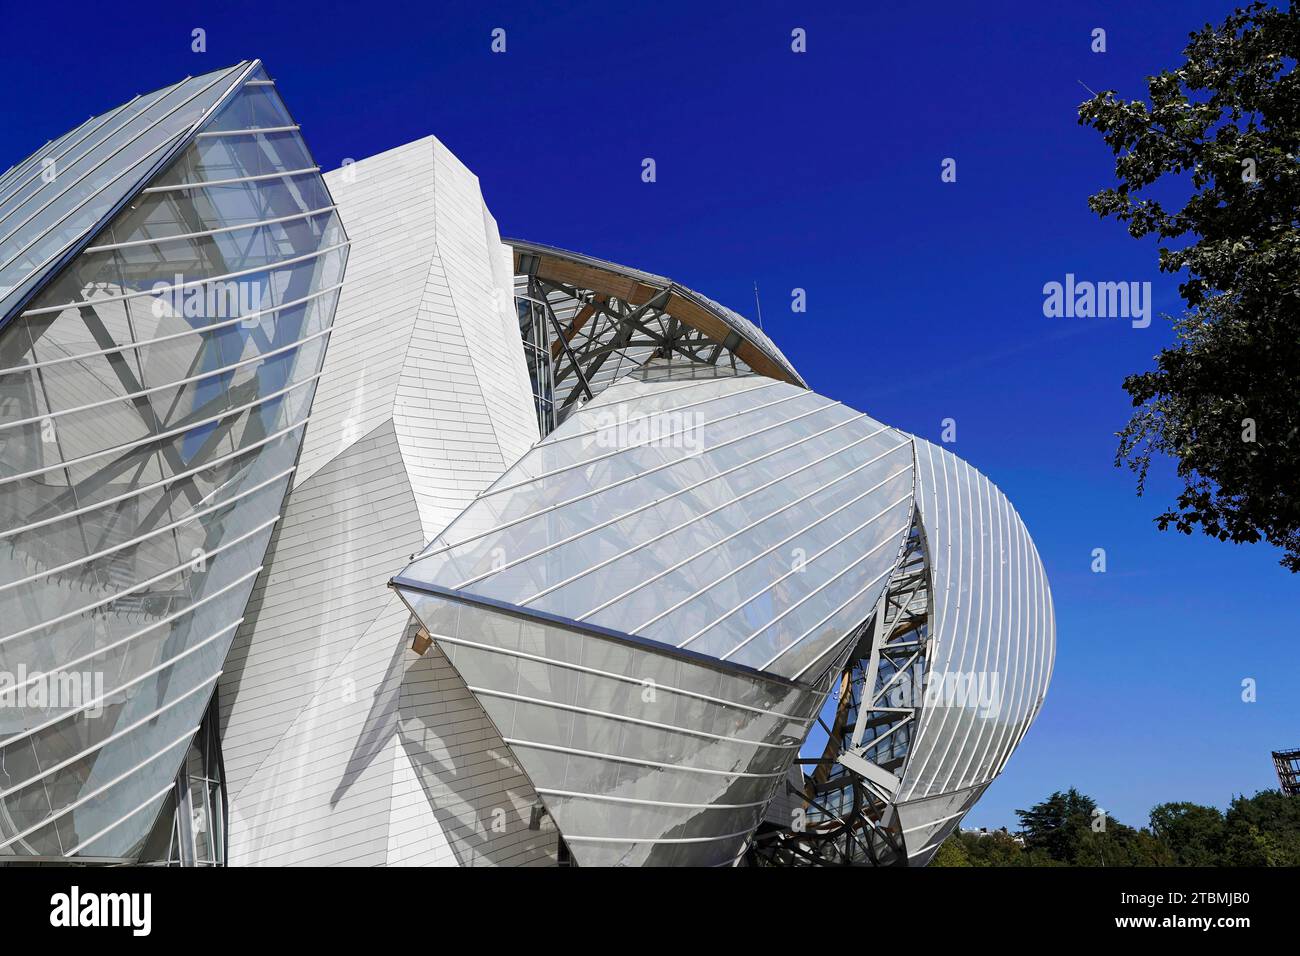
{"points": [[1068, 829], [1221, 132]]}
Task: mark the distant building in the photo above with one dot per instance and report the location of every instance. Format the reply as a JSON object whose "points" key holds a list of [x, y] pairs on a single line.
{"points": [[986, 832]]}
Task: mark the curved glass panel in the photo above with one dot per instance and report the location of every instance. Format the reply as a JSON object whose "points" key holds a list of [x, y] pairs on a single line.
{"points": [[152, 403]]}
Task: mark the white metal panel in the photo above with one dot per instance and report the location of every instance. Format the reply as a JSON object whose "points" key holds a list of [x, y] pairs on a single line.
{"points": [[342, 746], [993, 629]]}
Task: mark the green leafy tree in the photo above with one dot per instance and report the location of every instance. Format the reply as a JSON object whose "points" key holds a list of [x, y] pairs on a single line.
{"points": [[1121, 845], [1221, 131], [997, 848], [951, 852], [1193, 833], [1067, 829], [1263, 830], [1058, 825]]}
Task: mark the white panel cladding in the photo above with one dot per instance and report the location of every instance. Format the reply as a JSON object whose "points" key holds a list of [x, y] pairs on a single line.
{"points": [[388, 204], [993, 631], [414, 837], [464, 409], [340, 532], [341, 745]]}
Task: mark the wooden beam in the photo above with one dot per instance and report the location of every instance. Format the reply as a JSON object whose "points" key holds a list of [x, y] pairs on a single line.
{"points": [[607, 283]]}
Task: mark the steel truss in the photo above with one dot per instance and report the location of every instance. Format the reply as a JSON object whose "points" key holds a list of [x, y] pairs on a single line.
{"points": [[845, 814], [584, 339], [1287, 763]]}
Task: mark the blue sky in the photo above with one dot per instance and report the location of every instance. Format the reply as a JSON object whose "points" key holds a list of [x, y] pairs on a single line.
{"points": [[822, 171]]}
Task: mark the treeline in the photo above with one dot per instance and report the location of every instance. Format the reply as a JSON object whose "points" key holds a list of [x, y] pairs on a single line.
{"points": [[1068, 829]]}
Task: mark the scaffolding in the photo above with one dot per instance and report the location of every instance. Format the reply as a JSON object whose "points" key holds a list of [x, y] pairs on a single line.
{"points": [[1287, 763]]}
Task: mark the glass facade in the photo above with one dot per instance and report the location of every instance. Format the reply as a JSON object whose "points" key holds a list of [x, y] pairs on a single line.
{"points": [[775, 534], [642, 758], [68, 187], [741, 518], [152, 400], [534, 330]]}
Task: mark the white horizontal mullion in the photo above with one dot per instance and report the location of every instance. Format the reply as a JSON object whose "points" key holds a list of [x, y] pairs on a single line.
{"points": [[234, 181], [157, 240], [122, 819], [596, 755], [168, 434], [624, 718], [261, 357], [143, 343], [268, 267], [215, 133]]}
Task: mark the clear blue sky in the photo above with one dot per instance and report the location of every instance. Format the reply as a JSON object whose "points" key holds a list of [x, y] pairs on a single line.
{"points": [[821, 171]]}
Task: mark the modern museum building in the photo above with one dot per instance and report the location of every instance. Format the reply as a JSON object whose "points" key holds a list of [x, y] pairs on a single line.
{"points": [[336, 529]]}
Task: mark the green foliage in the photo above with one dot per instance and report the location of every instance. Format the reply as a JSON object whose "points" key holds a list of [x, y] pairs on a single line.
{"points": [[1263, 830], [1066, 830], [998, 848], [951, 852], [1222, 130], [1058, 825], [1193, 833]]}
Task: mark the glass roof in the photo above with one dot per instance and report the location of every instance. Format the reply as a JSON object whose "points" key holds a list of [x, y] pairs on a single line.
{"points": [[63, 192], [749, 520]]}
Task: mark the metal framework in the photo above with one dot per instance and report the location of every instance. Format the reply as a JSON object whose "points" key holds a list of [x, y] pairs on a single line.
{"points": [[846, 816], [586, 323], [196, 815], [577, 337], [1287, 763]]}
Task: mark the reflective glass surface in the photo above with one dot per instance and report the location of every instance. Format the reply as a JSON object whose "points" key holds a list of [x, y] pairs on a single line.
{"points": [[152, 402]]}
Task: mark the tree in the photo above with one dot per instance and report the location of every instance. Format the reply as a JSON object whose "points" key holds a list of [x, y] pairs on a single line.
{"points": [[1223, 129], [1066, 830], [1193, 833], [997, 848], [1058, 825], [1263, 830], [951, 852]]}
